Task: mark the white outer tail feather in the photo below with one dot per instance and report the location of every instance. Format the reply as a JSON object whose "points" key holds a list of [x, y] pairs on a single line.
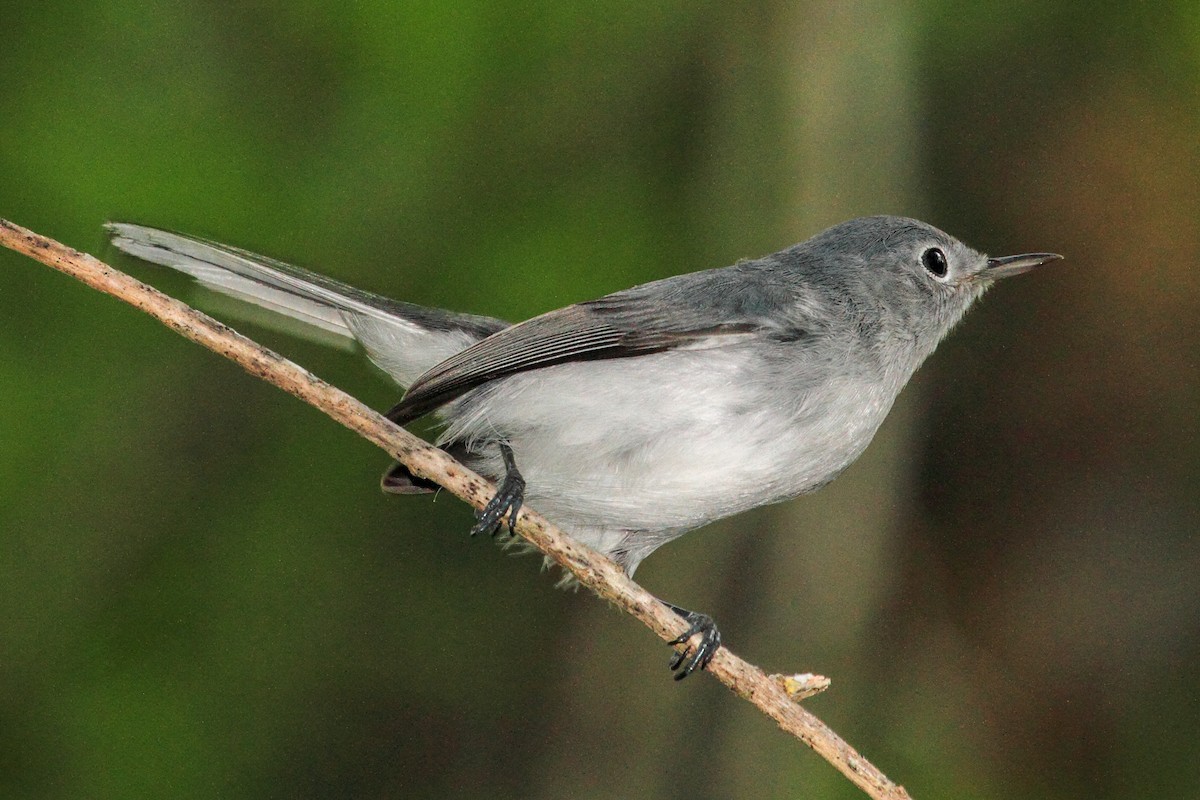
{"points": [[401, 347]]}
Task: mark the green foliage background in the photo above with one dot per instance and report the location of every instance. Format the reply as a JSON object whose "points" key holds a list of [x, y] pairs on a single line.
{"points": [[203, 593]]}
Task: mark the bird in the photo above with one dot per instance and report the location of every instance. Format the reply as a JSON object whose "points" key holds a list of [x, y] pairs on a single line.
{"points": [[636, 417]]}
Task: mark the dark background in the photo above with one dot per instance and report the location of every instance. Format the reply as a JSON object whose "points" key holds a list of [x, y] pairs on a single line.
{"points": [[204, 594]]}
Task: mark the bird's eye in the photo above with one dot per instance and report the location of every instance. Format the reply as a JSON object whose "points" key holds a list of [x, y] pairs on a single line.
{"points": [[934, 261]]}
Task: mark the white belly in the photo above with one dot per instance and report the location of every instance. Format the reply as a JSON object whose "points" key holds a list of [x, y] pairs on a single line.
{"points": [[670, 441]]}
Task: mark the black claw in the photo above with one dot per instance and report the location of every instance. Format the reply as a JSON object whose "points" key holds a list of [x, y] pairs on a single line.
{"points": [[514, 508], [509, 498], [710, 640]]}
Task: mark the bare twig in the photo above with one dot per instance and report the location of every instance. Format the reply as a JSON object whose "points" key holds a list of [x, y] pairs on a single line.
{"points": [[591, 569]]}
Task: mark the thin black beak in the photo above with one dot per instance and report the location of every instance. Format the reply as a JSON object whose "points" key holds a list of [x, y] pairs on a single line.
{"points": [[1005, 266]]}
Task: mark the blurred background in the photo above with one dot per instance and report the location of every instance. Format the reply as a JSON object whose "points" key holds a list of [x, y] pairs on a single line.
{"points": [[204, 594]]}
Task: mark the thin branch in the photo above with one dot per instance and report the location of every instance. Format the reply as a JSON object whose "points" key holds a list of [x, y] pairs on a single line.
{"points": [[591, 569]]}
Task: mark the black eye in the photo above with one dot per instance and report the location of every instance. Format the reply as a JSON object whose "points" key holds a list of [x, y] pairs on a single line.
{"points": [[935, 262]]}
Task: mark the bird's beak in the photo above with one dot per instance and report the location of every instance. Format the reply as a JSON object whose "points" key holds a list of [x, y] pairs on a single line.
{"points": [[1005, 266]]}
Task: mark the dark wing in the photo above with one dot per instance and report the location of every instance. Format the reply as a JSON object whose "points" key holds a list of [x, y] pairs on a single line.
{"points": [[678, 312]]}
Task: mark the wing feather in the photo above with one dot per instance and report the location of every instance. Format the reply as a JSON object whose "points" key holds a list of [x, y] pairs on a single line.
{"points": [[574, 333]]}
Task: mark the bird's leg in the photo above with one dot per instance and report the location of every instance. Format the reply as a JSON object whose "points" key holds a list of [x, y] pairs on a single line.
{"points": [[710, 639], [509, 498]]}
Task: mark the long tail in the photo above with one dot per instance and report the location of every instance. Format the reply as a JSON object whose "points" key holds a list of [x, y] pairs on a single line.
{"points": [[402, 338]]}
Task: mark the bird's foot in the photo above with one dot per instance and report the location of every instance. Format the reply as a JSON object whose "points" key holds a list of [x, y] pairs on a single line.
{"points": [[509, 498], [688, 660]]}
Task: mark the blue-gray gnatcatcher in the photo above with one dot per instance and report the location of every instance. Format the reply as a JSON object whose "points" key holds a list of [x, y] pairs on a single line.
{"points": [[652, 411]]}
